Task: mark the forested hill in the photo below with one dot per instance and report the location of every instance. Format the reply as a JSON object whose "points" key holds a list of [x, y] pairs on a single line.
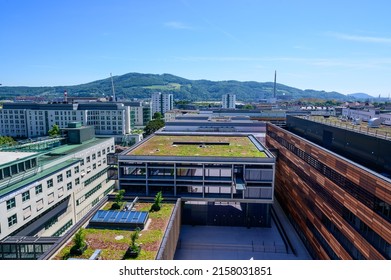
{"points": [[137, 85]]}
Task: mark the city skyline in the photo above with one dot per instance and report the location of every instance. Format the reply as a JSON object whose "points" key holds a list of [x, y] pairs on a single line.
{"points": [[333, 46]]}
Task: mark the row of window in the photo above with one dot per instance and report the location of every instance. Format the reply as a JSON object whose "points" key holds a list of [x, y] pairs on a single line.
{"points": [[9, 111], [11, 203], [17, 168], [88, 194]]}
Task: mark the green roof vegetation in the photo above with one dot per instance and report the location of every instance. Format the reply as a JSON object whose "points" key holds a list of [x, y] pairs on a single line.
{"points": [[195, 145], [114, 242]]}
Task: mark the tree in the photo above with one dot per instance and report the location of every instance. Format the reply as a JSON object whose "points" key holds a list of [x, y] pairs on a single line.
{"points": [[7, 140], [153, 126], [119, 197], [79, 243], [134, 248], [158, 202], [54, 131], [157, 116], [248, 107]]}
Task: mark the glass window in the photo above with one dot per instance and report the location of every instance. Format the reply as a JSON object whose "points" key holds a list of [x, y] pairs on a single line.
{"points": [[50, 183], [38, 189], [11, 203], [25, 196], [69, 186], [12, 220], [59, 178], [76, 169], [77, 181], [69, 173]]}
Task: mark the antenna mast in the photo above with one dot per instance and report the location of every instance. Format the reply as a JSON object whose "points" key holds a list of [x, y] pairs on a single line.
{"points": [[112, 86]]}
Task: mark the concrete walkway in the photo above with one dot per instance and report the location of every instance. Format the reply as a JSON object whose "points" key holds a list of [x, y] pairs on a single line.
{"points": [[239, 243]]}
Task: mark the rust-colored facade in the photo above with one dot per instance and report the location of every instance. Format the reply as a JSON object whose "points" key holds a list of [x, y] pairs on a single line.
{"points": [[340, 209]]}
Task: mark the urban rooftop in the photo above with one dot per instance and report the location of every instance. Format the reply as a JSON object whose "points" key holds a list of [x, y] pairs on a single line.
{"points": [[196, 145]]}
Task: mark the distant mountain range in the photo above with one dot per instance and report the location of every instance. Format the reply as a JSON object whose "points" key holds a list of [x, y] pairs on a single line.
{"points": [[140, 86], [360, 96]]}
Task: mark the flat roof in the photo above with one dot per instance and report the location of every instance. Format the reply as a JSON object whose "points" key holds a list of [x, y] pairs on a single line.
{"points": [[37, 177], [6, 157], [199, 145]]}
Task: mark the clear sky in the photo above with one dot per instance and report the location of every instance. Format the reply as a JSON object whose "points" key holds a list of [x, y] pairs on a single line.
{"points": [[332, 45]]}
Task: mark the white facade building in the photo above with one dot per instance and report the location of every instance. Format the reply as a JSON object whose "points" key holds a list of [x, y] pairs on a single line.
{"points": [[45, 193], [162, 102], [34, 120], [228, 101]]}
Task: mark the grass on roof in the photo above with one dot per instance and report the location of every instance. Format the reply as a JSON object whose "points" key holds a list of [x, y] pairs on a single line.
{"points": [[115, 242], [162, 145]]}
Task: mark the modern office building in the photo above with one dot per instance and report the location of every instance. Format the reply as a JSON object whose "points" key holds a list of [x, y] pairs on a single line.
{"points": [[141, 112], [203, 168], [162, 102], [340, 207], [228, 101], [46, 187]]}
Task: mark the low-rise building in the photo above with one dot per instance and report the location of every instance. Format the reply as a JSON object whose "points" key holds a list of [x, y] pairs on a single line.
{"points": [[206, 168]]}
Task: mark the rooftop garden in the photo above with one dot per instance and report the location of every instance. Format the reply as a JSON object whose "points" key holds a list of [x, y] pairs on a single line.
{"points": [[114, 243], [169, 145]]}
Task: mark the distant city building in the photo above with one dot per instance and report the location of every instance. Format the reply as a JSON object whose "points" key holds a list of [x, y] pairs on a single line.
{"points": [[141, 112], [366, 114], [29, 120], [173, 114], [228, 101], [162, 102], [216, 124]]}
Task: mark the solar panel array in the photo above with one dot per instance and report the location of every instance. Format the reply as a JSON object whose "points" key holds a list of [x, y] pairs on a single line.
{"points": [[119, 219]]}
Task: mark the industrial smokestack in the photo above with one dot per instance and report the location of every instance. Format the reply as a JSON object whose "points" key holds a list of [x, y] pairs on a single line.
{"points": [[65, 96], [275, 80]]}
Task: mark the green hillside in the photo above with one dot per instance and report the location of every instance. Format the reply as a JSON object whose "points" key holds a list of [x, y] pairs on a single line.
{"points": [[137, 85]]}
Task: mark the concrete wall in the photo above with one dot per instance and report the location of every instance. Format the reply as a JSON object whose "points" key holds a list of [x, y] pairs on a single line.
{"points": [[170, 239]]}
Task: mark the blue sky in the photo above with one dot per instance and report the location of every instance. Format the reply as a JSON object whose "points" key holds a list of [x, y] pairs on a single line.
{"points": [[342, 46]]}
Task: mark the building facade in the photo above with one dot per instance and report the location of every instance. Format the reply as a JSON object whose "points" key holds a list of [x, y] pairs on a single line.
{"points": [[228, 101], [30, 120], [203, 168], [162, 102], [47, 187], [340, 209], [142, 112]]}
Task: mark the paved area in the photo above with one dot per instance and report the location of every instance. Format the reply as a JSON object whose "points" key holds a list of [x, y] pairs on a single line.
{"points": [[240, 243]]}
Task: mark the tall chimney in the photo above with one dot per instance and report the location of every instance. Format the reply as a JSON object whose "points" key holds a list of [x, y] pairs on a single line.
{"points": [[275, 80]]}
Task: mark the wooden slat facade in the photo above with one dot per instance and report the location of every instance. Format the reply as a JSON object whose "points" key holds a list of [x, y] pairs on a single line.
{"points": [[332, 201]]}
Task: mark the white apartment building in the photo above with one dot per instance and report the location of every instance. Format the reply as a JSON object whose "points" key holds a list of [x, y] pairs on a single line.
{"points": [[34, 119], [162, 102], [228, 101], [44, 193]]}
